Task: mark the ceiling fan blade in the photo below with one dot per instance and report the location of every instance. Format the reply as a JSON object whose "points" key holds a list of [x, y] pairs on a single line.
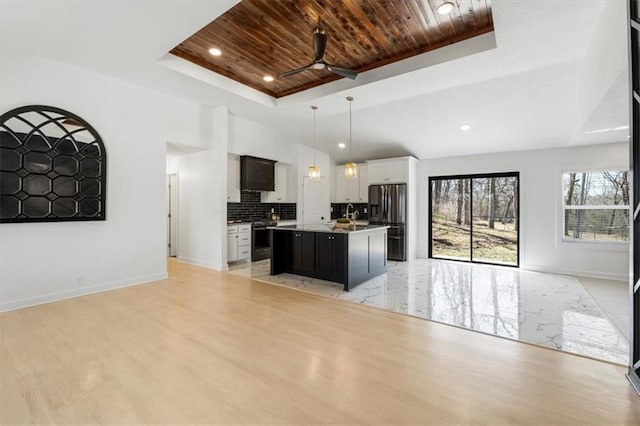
{"points": [[296, 71], [319, 44], [343, 72]]}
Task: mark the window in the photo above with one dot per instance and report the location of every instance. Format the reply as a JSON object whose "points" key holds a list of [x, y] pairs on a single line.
{"points": [[596, 205]]}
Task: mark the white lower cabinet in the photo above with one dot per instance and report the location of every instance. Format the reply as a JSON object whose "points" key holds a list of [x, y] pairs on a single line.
{"points": [[232, 247], [363, 183], [238, 242]]}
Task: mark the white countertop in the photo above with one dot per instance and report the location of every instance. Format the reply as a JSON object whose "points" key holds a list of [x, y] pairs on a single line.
{"points": [[295, 222], [328, 228], [287, 222]]}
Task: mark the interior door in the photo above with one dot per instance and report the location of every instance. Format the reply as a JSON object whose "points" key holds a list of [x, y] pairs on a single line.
{"points": [[314, 204]]}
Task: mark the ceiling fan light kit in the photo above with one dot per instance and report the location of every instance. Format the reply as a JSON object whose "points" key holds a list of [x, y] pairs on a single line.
{"points": [[319, 63]]}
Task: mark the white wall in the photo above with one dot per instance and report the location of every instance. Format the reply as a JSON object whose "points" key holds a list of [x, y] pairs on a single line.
{"points": [[605, 60], [202, 195], [247, 137], [41, 262], [413, 223], [541, 247]]}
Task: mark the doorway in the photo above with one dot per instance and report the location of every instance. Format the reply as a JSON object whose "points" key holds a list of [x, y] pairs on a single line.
{"points": [[475, 218], [172, 215]]}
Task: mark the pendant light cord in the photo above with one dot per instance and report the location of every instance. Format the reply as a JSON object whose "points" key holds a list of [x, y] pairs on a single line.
{"points": [[350, 99], [350, 133], [315, 132]]}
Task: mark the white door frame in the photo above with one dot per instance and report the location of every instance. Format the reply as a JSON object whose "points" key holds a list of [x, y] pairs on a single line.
{"points": [[172, 214]]}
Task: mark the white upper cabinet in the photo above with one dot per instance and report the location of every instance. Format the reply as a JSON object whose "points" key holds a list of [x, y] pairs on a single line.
{"points": [[351, 190], [281, 193], [233, 179], [393, 170], [363, 177]]}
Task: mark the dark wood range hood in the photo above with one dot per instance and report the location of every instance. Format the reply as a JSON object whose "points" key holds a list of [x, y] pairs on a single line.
{"points": [[257, 174]]}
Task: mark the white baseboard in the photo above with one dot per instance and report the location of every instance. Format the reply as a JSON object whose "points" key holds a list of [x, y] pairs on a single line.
{"points": [[77, 292], [202, 263], [577, 272]]}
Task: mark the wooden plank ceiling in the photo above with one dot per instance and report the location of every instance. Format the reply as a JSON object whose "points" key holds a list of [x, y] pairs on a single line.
{"points": [[268, 37]]}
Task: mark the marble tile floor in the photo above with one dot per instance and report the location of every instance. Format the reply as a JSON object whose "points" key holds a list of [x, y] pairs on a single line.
{"points": [[549, 310], [612, 297]]}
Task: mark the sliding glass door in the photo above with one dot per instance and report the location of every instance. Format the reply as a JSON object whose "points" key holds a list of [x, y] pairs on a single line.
{"points": [[475, 218], [450, 219]]}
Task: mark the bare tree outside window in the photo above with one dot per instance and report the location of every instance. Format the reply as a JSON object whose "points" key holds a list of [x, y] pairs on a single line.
{"points": [[596, 205]]}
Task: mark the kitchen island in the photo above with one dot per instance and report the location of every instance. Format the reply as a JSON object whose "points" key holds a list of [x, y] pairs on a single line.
{"points": [[346, 256]]}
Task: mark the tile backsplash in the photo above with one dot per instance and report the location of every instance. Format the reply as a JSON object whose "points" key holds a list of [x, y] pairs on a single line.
{"points": [[251, 209], [339, 210]]}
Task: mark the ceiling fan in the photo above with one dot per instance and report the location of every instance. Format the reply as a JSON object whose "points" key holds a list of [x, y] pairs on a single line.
{"points": [[319, 45]]}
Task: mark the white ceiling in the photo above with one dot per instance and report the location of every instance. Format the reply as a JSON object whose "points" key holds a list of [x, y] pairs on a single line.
{"points": [[525, 93]]}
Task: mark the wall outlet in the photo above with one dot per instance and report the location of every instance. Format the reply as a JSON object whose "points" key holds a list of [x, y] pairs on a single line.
{"points": [[79, 281]]}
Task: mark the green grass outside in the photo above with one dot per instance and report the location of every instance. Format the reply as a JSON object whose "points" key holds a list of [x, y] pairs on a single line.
{"points": [[498, 245]]}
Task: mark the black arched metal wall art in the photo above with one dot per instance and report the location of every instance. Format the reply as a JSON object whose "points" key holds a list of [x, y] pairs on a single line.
{"points": [[53, 167]]}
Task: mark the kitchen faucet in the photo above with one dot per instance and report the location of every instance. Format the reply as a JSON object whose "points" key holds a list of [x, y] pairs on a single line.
{"points": [[347, 215], [352, 217]]}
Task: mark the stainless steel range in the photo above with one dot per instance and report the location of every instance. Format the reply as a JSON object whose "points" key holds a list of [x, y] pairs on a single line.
{"points": [[261, 241]]}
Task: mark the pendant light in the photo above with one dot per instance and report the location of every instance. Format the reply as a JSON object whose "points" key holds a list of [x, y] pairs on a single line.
{"points": [[314, 171], [351, 168]]}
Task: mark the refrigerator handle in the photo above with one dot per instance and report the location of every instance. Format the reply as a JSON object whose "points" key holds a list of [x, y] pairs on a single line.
{"points": [[384, 197], [389, 201]]}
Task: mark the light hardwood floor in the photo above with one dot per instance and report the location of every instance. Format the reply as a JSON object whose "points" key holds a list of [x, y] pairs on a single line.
{"points": [[212, 348]]}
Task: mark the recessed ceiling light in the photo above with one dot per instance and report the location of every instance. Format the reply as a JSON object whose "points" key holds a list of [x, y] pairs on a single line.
{"points": [[267, 78], [215, 52], [342, 145], [465, 127], [445, 8]]}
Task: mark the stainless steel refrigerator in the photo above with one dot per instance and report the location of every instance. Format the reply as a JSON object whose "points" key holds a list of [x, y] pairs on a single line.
{"points": [[388, 206]]}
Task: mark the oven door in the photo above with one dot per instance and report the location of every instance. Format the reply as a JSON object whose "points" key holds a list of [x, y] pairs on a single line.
{"points": [[260, 244]]}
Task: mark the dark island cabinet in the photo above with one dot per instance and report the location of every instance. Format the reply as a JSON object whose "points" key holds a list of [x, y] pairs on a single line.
{"points": [[331, 256], [348, 258], [303, 252]]}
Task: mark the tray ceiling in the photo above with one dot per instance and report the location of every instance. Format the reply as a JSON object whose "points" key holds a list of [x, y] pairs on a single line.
{"points": [[266, 37]]}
